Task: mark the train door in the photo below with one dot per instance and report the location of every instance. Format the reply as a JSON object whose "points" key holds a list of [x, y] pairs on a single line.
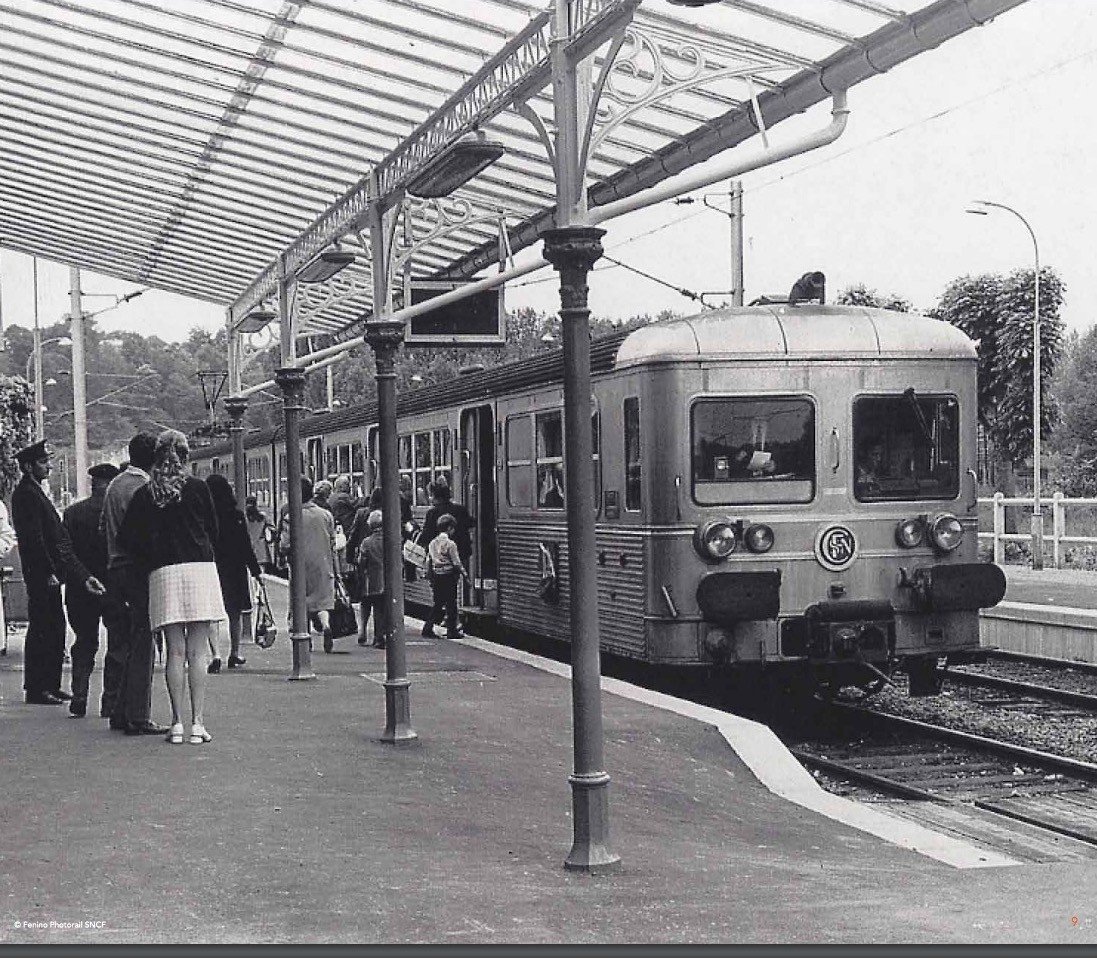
{"points": [[477, 445]]}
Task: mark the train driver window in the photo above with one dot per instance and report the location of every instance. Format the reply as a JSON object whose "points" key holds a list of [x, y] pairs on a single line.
{"points": [[519, 461], [632, 453], [906, 447], [550, 460], [753, 450]]}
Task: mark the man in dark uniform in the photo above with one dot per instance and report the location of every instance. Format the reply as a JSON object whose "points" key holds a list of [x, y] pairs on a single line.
{"points": [[84, 610], [46, 553]]}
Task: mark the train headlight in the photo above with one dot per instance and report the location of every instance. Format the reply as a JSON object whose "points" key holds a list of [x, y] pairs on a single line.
{"points": [[910, 532], [946, 532], [715, 541], [758, 538]]}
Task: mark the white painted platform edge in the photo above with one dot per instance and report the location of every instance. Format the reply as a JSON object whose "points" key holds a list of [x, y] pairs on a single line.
{"points": [[777, 769]]}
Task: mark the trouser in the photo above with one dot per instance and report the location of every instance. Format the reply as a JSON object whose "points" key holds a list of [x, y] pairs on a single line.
{"points": [[444, 587], [85, 613], [44, 651], [373, 604], [133, 703]]}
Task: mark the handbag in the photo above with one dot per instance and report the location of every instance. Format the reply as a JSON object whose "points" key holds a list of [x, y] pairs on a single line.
{"points": [[414, 554], [343, 620], [265, 631]]}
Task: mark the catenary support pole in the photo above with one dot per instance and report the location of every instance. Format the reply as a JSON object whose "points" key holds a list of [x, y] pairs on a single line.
{"points": [[39, 415], [79, 385], [735, 193]]}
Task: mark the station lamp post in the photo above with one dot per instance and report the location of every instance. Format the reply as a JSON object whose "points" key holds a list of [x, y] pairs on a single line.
{"points": [[1037, 507]]}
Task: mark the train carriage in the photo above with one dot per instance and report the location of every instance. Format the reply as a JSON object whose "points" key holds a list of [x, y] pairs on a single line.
{"points": [[784, 486]]}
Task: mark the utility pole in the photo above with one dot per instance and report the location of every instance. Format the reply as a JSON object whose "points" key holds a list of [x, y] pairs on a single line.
{"points": [[39, 416], [79, 385], [735, 194]]}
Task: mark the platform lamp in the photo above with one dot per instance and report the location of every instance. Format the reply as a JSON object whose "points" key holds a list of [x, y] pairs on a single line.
{"points": [[325, 265], [1037, 508], [456, 165]]}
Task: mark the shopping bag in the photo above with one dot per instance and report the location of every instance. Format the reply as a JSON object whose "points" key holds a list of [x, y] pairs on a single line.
{"points": [[343, 621], [265, 631], [415, 554]]}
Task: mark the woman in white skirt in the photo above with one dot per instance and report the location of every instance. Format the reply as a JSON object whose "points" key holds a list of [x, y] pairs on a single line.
{"points": [[171, 526]]}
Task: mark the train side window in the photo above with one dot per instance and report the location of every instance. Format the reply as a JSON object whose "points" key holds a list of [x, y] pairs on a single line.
{"points": [[332, 455], [550, 460], [519, 460], [443, 456], [753, 450], [632, 454], [357, 470], [405, 459], [422, 469]]}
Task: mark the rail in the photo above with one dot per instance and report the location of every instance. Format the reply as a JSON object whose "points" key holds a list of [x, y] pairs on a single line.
{"points": [[1059, 536]]}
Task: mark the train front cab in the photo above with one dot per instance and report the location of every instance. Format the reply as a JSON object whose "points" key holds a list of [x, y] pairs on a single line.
{"points": [[770, 544]]}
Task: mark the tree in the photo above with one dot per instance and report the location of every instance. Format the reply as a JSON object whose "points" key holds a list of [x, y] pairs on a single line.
{"points": [[861, 295], [997, 312], [16, 426], [1075, 437]]}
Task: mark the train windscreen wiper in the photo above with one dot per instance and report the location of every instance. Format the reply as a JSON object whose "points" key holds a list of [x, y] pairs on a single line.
{"points": [[912, 398]]}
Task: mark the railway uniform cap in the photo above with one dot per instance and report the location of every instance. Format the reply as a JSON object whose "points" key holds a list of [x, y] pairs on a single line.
{"points": [[103, 471], [33, 453]]}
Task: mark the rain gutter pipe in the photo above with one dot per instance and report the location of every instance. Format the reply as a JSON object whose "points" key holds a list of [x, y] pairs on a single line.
{"points": [[666, 190]]}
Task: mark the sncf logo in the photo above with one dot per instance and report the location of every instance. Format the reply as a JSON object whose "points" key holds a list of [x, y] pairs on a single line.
{"points": [[835, 547]]}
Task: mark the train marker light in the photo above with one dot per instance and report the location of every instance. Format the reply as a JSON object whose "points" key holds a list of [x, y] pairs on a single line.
{"points": [[758, 538], [946, 532], [715, 541], [910, 532]]}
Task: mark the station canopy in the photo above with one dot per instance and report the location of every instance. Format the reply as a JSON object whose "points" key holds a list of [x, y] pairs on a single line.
{"points": [[187, 144]]}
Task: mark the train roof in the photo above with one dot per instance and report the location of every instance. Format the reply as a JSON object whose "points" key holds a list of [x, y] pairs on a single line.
{"points": [[803, 331]]}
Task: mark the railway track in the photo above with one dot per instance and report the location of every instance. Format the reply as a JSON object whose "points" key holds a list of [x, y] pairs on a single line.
{"points": [[945, 774], [1019, 688]]}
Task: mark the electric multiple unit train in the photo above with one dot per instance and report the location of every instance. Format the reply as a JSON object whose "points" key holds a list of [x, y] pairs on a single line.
{"points": [[787, 487]]}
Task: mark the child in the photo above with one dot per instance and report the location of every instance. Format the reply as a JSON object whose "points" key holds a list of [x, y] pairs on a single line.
{"points": [[444, 567]]}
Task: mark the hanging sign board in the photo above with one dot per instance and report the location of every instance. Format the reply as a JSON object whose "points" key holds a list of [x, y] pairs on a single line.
{"points": [[476, 320]]}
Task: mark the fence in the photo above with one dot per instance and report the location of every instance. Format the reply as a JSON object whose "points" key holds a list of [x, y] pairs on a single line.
{"points": [[1059, 536]]}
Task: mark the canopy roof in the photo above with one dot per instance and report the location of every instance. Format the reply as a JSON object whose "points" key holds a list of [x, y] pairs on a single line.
{"points": [[186, 145]]}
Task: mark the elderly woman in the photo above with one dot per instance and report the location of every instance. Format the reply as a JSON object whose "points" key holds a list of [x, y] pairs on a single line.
{"points": [[318, 553], [171, 526]]}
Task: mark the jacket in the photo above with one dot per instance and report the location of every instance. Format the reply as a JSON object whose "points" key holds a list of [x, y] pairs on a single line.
{"points": [[82, 521], [181, 532], [45, 548]]}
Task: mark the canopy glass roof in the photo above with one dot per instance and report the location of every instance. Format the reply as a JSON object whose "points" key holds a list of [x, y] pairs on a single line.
{"points": [[185, 144]]}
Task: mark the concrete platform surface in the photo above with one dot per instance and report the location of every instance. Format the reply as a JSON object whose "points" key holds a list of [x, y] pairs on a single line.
{"points": [[1073, 588], [296, 825]]}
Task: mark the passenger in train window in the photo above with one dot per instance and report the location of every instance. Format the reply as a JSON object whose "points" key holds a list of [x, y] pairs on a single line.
{"points": [[550, 492], [870, 466]]}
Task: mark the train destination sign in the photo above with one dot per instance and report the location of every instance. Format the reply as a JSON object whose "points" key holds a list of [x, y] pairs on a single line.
{"points": [[477, 320]]}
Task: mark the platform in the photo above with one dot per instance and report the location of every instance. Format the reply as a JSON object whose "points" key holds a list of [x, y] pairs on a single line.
{"points": [[296, 825]]}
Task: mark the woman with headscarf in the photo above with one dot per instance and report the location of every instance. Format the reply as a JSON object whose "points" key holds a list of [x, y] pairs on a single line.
{"points": [[171, 526], [318, 554], [235, 558]]}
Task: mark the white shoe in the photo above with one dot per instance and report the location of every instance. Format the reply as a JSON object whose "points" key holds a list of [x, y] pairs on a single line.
{"points": [[175, 735], [198, 734]]}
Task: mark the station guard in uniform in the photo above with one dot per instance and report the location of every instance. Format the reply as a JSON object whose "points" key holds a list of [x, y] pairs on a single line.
{"points": [[46, 553], [85, 610]]}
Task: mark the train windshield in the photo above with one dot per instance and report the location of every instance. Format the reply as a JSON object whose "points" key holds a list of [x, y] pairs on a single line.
{"points": [[753, 450], [906, 447]]}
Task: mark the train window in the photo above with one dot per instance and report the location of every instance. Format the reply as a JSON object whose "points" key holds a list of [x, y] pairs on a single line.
{"points": [[519, 461], [550, 460], [405, 458], [906, 447], [357, 469], [422, 469], [632, 453], [753, 450], [443, 456], [332, 462]]}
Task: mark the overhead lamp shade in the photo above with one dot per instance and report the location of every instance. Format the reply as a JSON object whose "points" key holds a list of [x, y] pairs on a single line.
{"points": [[258, 319], [692, 3], [324, 266], [455, 166]]}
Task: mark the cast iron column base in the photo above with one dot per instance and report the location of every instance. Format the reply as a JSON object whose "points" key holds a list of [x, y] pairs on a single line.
{"points": [[398, 731], [302, 658], [590, 851]]}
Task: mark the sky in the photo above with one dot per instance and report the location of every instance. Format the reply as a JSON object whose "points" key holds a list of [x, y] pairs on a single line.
{"points": [[1002, 113]]}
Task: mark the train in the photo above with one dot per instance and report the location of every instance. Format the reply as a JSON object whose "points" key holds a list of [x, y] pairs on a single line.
{"points": [[787, 488]]}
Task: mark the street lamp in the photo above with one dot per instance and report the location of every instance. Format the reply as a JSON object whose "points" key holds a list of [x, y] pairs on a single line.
{"points": [[1037, 509], [35, 357]]}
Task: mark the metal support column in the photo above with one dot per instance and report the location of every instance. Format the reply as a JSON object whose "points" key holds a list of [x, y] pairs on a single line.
{"points": [[384, 338], [735, 193], [236, 407], [291, 382], [79, 386], [573, 251]]}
